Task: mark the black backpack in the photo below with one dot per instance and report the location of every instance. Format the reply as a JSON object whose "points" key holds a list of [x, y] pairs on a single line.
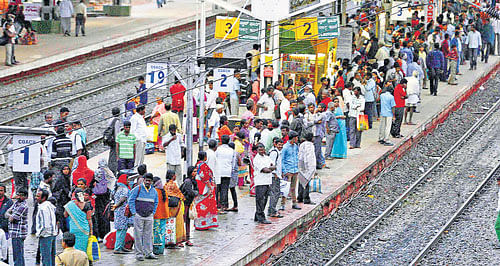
{"points": [[109, 134]]}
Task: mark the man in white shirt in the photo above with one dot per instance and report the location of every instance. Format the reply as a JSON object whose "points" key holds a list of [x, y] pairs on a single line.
{"points": [[138, 129], [46, 228], [66, 9], [172, 143], [274, 190], [285, 105], [76, 140], [263, 169], [473, 41], [223, 169], [309, 96], [211, 99], [214, 121], [211, 158], [266, 102]]}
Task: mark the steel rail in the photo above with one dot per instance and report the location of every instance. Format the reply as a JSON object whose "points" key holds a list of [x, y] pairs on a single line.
{"points": [[462, 208], [82, 95], [92, 76], [399, 200]]}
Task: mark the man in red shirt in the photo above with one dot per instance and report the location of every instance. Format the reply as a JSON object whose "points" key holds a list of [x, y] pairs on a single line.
{"points": [[399, 98], [177, 91]]}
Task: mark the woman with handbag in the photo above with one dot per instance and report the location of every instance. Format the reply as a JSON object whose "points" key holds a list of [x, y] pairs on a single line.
{"points": [[80, 222], [160, 218], [205, 203], [190, 190], [175, 223], [122, 222]]}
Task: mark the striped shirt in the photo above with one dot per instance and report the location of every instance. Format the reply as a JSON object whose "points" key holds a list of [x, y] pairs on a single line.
{"points": [[18, 228], [46, 220], [126, 145]]}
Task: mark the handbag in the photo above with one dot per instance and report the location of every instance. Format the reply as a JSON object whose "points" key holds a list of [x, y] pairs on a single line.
{"points": [[193, 214], [93, 251], [127, 212], [108, 213], [315, 185], [173, 201]]}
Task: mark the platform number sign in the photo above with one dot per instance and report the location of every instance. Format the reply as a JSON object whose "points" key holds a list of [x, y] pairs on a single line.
{"points": [[26, 153], [227, 27], [223, 79], [306, 29], [157, 74]]}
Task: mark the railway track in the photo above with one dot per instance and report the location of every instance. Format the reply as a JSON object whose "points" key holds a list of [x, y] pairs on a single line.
{"points": [[13, 99], [397, 207], [493, 174]]}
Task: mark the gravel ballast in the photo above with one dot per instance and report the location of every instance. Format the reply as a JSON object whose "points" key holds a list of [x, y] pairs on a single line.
{"points": [[331, 234]]}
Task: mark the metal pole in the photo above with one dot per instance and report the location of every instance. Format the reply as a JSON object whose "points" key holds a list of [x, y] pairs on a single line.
{"points": [[276, 51], [344, 12], [203, 28], [201, 133], [262, 51], [197, 30], [189, 117]]}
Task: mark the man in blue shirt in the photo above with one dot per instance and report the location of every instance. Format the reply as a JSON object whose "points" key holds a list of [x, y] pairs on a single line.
{"points": [[143, 94], [142, 202], [387, 115], [435, 64], [290, 165], [370, 92]]}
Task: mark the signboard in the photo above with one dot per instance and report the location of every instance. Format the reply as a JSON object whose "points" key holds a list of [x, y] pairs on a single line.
{"points": [[223, 79], [400, 11], [218, 55], [306, 29], [31, 11], [243, 29], [236, 63], [26, 153], [328, 27], [344, 43], [249, 30], [297, 5], [270, 10], [227, 27], [157, 75], [430, 11]]}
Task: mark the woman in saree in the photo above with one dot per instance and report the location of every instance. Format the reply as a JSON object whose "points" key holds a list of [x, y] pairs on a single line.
{"points": [[190, 190], [80, 219], [205, 203], [160, 218], [175, 223], [340, 144], [158, 110], [121, 222]]}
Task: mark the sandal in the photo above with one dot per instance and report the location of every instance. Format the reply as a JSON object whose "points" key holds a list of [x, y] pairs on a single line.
{"points": [[234, 209], [180, 245], [188, 243]]}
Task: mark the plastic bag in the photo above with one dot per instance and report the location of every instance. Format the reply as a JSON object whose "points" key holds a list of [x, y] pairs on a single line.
{"points": [[192, 212], [284, 188], [315, 185], [152, 133], [362, 122], [93, 251]]}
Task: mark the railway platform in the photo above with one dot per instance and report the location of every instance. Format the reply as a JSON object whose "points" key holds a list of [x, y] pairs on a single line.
{"points": [[105, 35], [239, 240]]}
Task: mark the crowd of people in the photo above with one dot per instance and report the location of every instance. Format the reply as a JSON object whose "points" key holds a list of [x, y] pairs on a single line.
{"points": [[273, 149]]}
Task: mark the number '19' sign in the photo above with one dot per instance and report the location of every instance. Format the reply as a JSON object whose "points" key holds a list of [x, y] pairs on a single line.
{"points": [[157, 75], [26, 153]]}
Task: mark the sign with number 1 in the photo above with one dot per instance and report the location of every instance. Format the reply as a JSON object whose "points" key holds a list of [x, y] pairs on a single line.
{"points": [[26, 153], [223, 79], [157, 75]]}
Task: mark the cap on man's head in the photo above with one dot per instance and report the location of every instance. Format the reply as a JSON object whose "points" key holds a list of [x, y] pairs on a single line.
{"points": [[64, 110]]}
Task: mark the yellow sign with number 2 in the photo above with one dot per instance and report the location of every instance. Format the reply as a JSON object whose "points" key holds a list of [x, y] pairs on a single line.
{"points": [[227, 25], [306, 29]]}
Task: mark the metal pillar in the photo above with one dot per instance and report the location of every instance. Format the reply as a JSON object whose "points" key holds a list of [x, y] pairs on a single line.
{"points": [[203, 23], [189, 117], [203, 28], [275, 29], [262, 52]]}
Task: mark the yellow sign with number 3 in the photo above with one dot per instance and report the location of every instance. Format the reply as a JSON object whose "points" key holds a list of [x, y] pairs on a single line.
{"points": [[306, 29], [229, 26]]}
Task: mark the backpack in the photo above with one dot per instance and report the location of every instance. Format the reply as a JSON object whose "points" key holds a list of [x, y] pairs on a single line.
{"points": [[101, 187], [109, 134]]}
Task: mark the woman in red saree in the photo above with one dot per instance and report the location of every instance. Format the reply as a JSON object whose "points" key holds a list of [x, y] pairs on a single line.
{"points": [[205, 203]]}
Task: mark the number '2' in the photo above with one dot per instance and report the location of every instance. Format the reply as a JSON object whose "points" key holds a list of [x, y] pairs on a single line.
{"points": [[224, 79]]}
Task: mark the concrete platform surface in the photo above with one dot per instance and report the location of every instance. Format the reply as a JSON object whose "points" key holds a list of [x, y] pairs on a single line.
{"points": [[239, 240], [104, 32]]}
